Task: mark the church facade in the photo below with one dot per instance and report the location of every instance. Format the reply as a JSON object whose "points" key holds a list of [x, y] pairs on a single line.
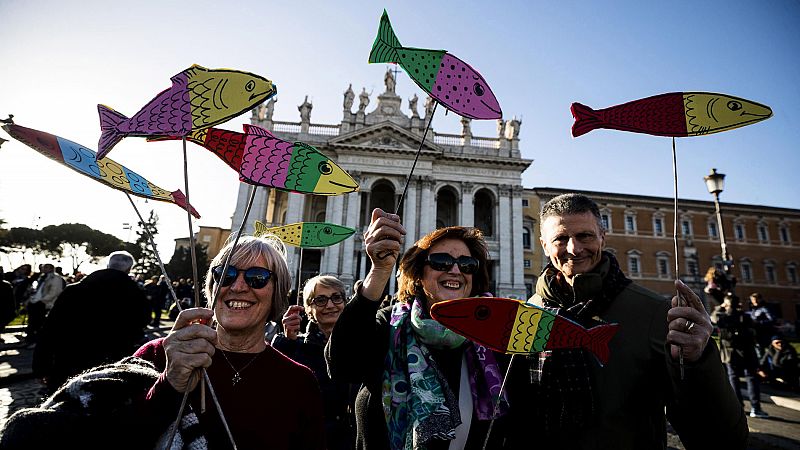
{"points": [[458, 179]]}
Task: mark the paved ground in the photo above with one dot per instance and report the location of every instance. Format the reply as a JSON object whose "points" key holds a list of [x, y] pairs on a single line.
{"points": [[19, 389]]}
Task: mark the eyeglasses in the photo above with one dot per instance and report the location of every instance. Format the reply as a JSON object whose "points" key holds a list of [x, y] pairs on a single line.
{"points": [[443, 262], [322, 300], [255, 277]]}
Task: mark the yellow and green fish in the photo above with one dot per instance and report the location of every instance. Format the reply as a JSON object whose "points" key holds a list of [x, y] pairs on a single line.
{"points": [[307, 234]]}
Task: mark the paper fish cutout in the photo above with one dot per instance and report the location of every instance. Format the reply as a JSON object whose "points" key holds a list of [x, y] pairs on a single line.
{"points": [[265, 160], [510, 326], [199, 98], [451, 81], [84, 160], [307, 234], [676, 114]]}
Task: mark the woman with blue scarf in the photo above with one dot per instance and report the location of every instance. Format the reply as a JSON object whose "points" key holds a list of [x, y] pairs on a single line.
{"points": [[423, 386]]}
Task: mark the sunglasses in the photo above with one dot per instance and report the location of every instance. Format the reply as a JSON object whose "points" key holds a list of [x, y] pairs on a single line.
{"points": [[443, 262], [322, 300], [255, 277]]}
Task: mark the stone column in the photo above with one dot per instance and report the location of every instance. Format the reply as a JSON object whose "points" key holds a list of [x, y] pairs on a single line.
{"points": [[504, 228], [467, 204], [427, 213], [257, 212], [334, 213], [518, 280], [294, 214], [352, 204], [409, 218]]}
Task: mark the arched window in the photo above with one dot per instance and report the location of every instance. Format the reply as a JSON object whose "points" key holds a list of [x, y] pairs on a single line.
{"points": [[380, 196], [484, 211], [526, 237], [446, 208]]}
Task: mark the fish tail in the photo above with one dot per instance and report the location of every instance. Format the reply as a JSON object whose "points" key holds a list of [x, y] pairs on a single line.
{"points": [[386, 43], [180, 200], [110, 136], [586, 119], [599, 337]]}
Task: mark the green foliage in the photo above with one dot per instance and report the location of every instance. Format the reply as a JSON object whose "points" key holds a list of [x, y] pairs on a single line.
{"points": [[180, 265], [146, 258]]}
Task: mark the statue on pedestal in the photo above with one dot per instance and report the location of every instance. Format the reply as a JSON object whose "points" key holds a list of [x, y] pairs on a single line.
{"points": [[412, 105], [429, 104], [349, 96], [389, 80], [305, 110], [363, 100]]}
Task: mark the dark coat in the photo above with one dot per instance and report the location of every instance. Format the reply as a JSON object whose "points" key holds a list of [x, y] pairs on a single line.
{"points": [[99, 320], [309, 350]]}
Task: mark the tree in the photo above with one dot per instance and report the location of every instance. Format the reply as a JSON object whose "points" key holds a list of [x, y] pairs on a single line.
{"points": [[78, 242], [180, 265], [21, 239], [147, 260]]}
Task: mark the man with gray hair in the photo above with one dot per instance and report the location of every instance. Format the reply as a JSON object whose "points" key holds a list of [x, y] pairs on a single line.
{"points": [[98, 320], [575, 402]]}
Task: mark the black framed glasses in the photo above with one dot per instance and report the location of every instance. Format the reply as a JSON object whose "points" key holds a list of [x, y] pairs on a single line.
{"points": [[322, 300], [255, 277], [443, 262]]}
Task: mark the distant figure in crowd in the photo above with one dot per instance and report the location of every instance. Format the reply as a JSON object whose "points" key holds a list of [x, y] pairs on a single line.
{"points": [[737, 338], [268, 400], [423, 386], [8, 307], [99, 320], [324, 299], [156, 290], [717, 285], [574, 402], [21, 280], [763, 321], [49, 286], [780, 364]]}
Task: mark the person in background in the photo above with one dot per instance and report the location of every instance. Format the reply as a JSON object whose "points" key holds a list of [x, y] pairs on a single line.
{"points": [[780, 364], [324, 299], [99, 320], [8, 307], [737, 338], [574, 402], [423, 386], [717, 285], [268, 400], [49, 286], [763, 322]]}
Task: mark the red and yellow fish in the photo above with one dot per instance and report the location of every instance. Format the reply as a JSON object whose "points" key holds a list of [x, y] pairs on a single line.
{"points": [[677, 114], [511, 326]]}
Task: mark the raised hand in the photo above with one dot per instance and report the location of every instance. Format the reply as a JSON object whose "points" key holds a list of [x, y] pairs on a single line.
{"points": [[689, 326], [189, 346]]}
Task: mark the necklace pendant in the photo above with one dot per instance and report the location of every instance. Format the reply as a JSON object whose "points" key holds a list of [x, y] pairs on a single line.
{"points": [[236, 378]]}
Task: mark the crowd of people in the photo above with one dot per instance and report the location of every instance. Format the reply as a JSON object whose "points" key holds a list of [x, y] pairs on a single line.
{"points": [[378, 372]]}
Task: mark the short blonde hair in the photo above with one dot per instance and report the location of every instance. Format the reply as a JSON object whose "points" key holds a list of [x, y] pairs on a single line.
{"points": [[248, 249], [310, 288]]}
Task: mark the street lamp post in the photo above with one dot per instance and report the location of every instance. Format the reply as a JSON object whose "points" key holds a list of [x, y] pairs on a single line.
{"points": [[715, 182]]}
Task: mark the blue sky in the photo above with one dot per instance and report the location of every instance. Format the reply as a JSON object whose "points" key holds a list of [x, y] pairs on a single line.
{"points": [[58, 60]]}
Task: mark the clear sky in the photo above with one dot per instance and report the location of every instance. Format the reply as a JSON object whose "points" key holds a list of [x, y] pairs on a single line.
{"points": [[58, 60]]}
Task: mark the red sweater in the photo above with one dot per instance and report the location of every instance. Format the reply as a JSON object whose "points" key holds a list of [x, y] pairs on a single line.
{"points": [[276, 405]]}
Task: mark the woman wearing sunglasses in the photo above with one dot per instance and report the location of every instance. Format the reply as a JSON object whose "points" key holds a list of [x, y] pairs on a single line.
{"points": [[423, 385], [268, 400], [324, 299]]}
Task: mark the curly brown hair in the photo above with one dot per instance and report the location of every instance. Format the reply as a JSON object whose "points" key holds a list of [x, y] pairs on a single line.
{"points": [[412, 264]]}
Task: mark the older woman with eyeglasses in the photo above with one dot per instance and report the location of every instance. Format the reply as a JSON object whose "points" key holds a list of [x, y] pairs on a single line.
{"points": [[267, 399], [324, 299], [423, 386]]}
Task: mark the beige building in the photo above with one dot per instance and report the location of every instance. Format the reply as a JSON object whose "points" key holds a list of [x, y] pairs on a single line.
{"points": [[459, 179], [763, 241]]}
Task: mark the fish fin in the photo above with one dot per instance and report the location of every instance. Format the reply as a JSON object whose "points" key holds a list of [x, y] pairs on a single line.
{"points": [[259, 228], [109, 136], [180, 200], [599, 337], [256, 130], [586, 119], [384, 49], [180, 78]]}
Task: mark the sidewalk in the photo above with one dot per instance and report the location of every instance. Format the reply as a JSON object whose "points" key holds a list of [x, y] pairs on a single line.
{"points": [[20, 389]]}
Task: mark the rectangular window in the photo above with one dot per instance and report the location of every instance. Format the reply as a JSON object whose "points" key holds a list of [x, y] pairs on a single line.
{"points": [[686, 228], [606, 221], [747, 273], [663, 268], [712, 229], [526, 263], [791, 271], [207, 238], [784, 235], [770, 272], [630, 224], [762, 233], [633, 265], [691, 267], [739, 230], [524, 202], [658, 226], [529, 290]]}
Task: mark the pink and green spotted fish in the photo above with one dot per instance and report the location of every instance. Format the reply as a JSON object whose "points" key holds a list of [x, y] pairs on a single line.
{"points": [[265, 160], [451, 81], [198, 98], [307, 234]]}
